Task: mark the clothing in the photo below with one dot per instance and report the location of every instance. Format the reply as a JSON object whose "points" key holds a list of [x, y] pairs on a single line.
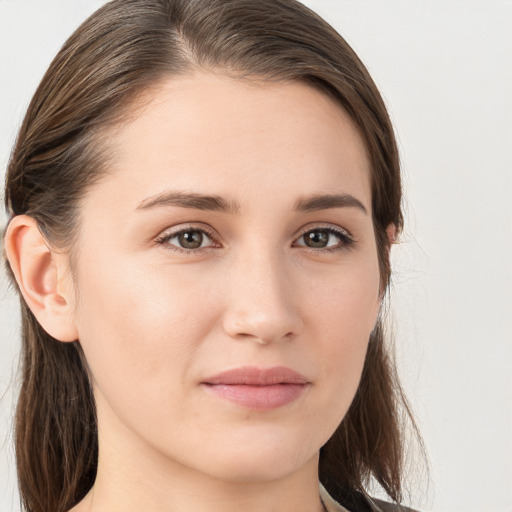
{"points": [[356, 502], [330, 504]]}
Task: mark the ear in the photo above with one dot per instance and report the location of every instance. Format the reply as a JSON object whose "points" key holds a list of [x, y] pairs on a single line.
{"points": [[392, 235], [42, 276], [391, 231]]}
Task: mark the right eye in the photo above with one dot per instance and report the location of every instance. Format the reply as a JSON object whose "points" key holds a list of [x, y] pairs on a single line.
{"points": [[189, 240]]}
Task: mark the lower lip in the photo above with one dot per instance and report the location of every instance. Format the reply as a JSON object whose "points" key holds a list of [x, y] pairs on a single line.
{"points": [[261, 398]]}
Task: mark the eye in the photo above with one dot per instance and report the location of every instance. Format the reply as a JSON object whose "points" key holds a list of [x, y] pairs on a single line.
{"points": [[326, 239], [187, 240]]}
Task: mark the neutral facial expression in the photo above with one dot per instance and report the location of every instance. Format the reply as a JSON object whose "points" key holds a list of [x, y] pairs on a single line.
{"points": [[233, 232]]}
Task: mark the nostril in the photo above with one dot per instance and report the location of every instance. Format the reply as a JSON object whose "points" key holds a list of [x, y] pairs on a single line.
{"points": [[260, 303], [261, 329]]}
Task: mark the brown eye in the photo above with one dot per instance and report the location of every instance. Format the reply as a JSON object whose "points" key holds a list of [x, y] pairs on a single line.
{"points": [[187, 240], [190, 239], [317, 239], [326, 239]]}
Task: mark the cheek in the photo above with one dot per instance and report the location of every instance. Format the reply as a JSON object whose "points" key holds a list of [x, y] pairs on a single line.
{"points": [[347, 299], [346, 314], [139, 329]]}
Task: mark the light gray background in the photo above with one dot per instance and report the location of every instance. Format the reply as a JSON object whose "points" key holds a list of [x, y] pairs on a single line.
{"points": [[445, 70]]}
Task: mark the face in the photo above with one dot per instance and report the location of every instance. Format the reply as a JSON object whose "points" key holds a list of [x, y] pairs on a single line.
{"points": [[227, 277]]}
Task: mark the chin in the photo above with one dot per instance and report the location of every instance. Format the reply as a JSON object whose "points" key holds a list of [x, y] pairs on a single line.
{"points": [[251, 472], [259, 462]]}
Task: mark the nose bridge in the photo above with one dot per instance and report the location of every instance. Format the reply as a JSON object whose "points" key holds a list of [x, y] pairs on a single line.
{"points": [[260, 300]]}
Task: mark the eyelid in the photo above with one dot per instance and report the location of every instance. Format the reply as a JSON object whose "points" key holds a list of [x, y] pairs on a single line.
{"points": [[332, 227], [170, 233], [346, 239]]}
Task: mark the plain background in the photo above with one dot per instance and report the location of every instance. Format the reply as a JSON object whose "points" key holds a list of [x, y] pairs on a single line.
{"points": [[445, 71]]}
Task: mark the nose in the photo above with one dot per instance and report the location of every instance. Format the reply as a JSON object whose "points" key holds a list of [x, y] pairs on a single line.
{"points": [[261, 304]]}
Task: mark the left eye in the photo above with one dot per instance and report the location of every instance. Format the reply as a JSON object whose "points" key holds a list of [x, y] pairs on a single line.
{"points": [[326, 238]]}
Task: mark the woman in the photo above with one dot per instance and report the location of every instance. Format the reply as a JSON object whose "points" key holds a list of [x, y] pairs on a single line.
{"points": [[203, 196]]}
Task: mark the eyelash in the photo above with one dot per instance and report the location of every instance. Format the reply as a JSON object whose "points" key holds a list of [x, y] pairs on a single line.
{"points": [[164, 239], [346, 241]]}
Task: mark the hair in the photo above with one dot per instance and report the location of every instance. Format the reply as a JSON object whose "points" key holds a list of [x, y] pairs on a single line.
{"points": [[123, 50]]}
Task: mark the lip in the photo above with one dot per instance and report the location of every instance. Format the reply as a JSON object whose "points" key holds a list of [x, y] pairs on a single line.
{"points": [[258, 388]]}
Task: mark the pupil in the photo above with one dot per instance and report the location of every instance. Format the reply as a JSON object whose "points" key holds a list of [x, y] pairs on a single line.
{"points": [[191, 239], [317, 238]]}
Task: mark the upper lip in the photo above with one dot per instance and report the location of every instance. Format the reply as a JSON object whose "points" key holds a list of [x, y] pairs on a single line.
{"points": [[253, 376]]}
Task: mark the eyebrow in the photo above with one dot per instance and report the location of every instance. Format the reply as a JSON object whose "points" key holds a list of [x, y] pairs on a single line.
{"points": [[327, 201], [191, 200], [217, 203]]}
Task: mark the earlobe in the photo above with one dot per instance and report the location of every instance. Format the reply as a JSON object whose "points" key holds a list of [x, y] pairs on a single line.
{"points": [[391, 231], [392, 238], [40, 275]]}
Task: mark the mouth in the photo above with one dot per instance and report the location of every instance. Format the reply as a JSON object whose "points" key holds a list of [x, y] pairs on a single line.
{"points": [[258, 389]]}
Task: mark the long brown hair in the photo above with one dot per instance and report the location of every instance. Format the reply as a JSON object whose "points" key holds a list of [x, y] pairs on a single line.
{"points": [[123, 49]]}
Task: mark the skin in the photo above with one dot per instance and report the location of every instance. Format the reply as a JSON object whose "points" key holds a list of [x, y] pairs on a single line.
{"points": [[154, 322]]}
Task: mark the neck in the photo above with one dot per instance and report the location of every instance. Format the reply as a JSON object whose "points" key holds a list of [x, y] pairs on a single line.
{"points": [[181, 489], [132, 476]]}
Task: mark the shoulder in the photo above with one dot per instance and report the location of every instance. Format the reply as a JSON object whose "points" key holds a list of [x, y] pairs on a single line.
{"points": [[384, 506], [339, 499]]}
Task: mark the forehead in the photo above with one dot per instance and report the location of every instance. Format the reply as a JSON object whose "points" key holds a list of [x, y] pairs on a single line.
{"points": [[215, 134]]}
